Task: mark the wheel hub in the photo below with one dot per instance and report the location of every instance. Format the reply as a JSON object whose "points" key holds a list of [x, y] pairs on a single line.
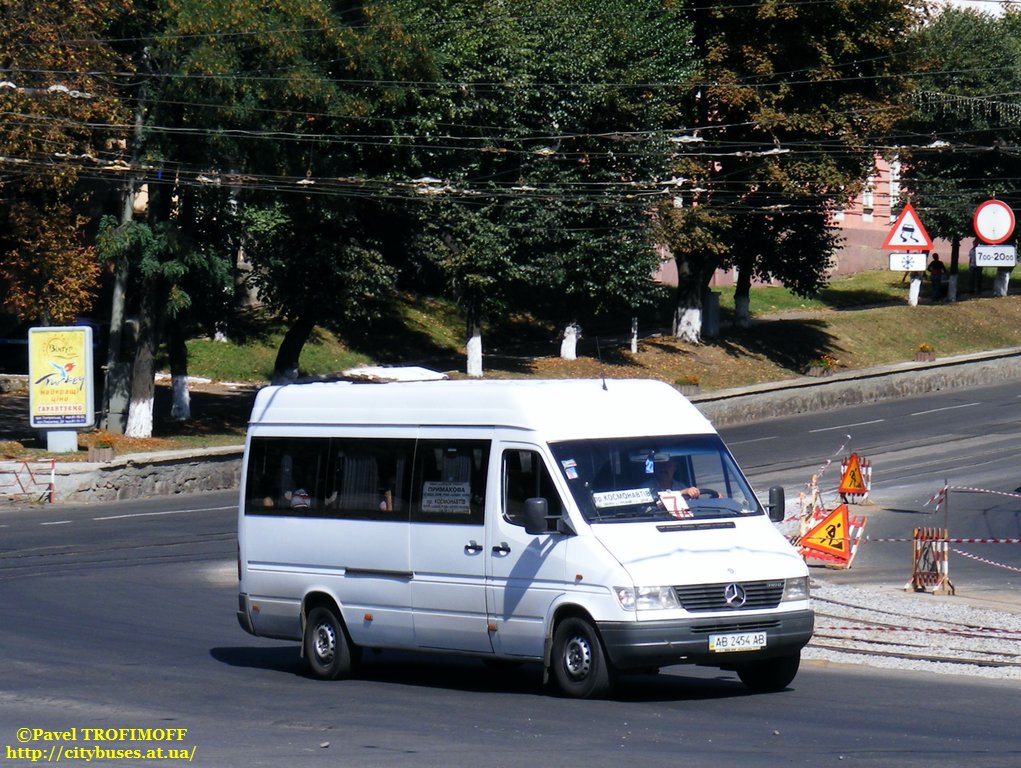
{"points": [[578, 657], [325, 643]]}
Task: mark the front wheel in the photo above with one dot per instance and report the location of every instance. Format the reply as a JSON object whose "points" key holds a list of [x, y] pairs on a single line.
{"points": [[327, 646], [770, 675], [579, 666]]}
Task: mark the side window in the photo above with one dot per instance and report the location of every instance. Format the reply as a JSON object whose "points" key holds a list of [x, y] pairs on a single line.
{"points": [[368, 479], [525, 477], [324, 477], [286, 476], [450, 481]]}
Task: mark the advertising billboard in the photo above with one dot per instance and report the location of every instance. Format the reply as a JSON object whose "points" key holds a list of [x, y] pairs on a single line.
{"points": [[60, 378]]}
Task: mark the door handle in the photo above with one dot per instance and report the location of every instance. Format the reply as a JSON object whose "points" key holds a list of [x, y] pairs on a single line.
{"points": [[501, 549], [472, 547]]}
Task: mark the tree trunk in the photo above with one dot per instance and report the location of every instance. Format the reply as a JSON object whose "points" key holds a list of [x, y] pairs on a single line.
{"points": [[116, 381], [569, 345], [1002, 282], [473, 349], [914, 289], [688, 320], [955, 261], [180, 408], [742, 296], [143, 379], [285, 369]]}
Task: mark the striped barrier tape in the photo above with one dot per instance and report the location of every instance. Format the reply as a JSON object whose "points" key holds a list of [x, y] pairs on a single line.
{"points": [[968, 489], [987, 562], [953, 541], [977, 631]]}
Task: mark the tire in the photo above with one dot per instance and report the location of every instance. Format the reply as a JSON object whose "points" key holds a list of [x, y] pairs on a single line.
{"points": [[578, 665], [327, 646], [770, 675]]}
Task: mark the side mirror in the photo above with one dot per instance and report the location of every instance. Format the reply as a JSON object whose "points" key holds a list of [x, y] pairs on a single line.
{"points": [[535, 516], [777, 506]]}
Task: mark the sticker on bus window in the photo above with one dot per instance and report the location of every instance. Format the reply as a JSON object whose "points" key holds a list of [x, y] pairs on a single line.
{"points": [[675, 504], [570, 468], [608, 499], [446, 498]]}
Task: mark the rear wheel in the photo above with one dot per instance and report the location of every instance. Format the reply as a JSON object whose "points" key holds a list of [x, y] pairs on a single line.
{"points": [[770, 674], [578, 665], [327, 646]]}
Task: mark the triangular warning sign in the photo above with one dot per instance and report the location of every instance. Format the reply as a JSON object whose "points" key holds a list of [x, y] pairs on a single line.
{"points": [[830, 535], [852, 482], [907, 233]]}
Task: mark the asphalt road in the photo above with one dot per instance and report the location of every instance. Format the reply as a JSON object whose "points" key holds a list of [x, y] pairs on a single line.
{"points": [[122, 616], [961, 438]]}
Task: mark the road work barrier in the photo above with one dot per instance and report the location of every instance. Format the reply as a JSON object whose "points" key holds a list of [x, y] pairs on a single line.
{"points": [[831, 536], [930, 563], [28, 480]]}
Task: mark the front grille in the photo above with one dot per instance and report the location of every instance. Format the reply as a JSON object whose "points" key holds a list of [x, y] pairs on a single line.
{"points": [[711, 597], [726, 627]]}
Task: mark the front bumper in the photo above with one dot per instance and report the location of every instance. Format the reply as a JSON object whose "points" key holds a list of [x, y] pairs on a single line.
{"points": [[643, 644]]}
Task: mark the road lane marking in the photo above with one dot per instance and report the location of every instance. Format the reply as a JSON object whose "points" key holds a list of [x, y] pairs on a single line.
{"points": [[57, 522], [947, 408], [847, 426], [755, 440], [159, 514]]}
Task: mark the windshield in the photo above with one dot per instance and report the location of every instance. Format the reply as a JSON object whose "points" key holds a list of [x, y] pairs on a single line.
{"points": [[661, 478]]}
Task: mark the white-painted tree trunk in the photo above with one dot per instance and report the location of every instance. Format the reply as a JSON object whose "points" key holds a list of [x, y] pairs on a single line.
{"points": [[914, 288], [139, 418], [289, 377], [569, 345], [180, 408], [689, 325], [952, 288], [473, 349], [634, 335], [742, 311], [1001, 282]]}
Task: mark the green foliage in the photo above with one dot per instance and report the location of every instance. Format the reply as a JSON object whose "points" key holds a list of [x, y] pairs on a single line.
{"points": [[789, 104], [959, 137], [57, 112], [545, 131]]}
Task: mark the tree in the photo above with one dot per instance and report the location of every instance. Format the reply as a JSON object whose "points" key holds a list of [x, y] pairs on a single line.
{"points": [[787, 110], [549, 151], [54, 113], [957, 144], [294, 93]]}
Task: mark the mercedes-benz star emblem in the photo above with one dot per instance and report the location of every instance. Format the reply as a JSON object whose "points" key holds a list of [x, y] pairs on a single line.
{"points": [[735, 595]]}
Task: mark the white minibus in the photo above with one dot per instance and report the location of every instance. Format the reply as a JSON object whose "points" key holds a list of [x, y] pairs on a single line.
{"points": [[594, 527]]}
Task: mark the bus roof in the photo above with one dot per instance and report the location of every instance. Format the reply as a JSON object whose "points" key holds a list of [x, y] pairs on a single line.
{"points": [[561, 409]]}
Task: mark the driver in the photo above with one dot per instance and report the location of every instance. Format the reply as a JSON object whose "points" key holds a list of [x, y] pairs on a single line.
{"points": [[665, 479]]}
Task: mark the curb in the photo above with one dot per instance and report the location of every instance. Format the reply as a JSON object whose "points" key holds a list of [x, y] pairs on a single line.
{"points": [[842, 390]]}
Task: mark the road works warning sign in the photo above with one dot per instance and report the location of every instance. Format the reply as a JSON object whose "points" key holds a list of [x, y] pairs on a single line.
{"points": [[830, 535], [853, 481]]}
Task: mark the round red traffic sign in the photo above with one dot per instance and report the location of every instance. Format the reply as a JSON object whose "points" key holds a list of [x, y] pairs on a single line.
{"points": [[993, 221]]}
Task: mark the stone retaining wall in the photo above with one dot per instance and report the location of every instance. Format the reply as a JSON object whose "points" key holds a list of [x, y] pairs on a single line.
{"points": [[142, 475]]}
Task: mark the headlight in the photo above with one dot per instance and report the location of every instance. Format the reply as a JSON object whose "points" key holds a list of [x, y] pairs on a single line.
{"points": [[795, 589], [646, 598]]}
